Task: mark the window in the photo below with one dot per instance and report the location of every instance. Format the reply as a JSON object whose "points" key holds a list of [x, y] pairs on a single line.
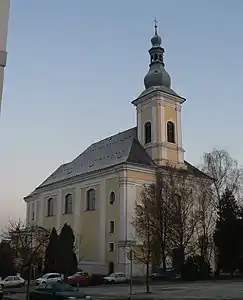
{"points": [[170, 132], [9, 278], [112, 197], [33, 211], [68, 204], [147, 131], [112, 226], [111, 267], [91, 199], [111, 247], [50, 208]]}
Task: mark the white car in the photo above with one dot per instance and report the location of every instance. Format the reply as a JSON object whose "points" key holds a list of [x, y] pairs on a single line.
{"points": [[118, 277], [12, 281], [49, 278]]}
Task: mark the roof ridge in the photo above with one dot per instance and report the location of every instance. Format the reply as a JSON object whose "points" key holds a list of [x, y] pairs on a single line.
{"points": [[113, 135]]}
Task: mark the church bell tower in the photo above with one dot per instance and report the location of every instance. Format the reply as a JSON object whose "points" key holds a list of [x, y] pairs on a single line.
{"points": [[159, 111]]}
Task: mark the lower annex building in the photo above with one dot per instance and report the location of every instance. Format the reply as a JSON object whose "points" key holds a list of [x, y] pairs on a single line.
{"points": [[96, 192]]}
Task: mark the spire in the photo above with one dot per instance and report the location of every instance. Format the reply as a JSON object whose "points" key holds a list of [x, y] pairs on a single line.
{"points": [[157, 75], [155, 27]]}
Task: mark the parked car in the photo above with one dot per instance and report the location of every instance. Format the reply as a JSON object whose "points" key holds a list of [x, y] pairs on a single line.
{"points": [[12, 281], [60, 291], [49, 278], [96, 279], [118, 277], [169, 274], [79, 279], [1, 292]]}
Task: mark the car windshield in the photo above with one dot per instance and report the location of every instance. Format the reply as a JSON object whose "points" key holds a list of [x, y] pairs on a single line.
{"points": [[45, 276], [56, 287]]}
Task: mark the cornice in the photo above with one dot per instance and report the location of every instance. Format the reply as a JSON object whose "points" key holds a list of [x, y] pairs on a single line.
{"points": [[87, 177], [73, 180], [155, 94]]}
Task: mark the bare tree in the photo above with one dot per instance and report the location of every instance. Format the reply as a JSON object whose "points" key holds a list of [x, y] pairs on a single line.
{"points": [[183, 211], [143, 225], [226, 174], [207, 219], [28, 242], [225, 171]]}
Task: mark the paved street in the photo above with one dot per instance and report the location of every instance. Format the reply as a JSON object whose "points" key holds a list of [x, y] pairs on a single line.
{"points": [[208, 290], [197, 290]]}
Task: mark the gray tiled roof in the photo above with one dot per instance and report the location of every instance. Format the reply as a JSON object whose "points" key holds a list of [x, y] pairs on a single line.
{"points": [[117, 149], [123, 147]]}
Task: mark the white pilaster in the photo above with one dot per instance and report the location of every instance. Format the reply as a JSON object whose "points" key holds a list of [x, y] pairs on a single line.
{"points": [[131, 199], [41, 212], [139, 125], [163, 131], [163, 125], [102, 230], [122, 211], [58, 210], [4, 16], [154, 124], [28, 213], [37, 212], [179, 133], [76, 218]]}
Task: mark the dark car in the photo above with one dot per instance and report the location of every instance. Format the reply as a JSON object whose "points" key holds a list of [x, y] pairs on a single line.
{"points": [[169, 274], [60, 291]]}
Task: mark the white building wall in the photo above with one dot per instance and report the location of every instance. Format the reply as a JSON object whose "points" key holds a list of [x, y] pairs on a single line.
{"points": [[4, 16]]}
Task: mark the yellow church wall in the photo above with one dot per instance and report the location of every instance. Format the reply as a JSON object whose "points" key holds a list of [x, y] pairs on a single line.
{"points": [[138, 175], [49, 222], [172, 155], [67, 218], [170, 114], [89, 227], [112, 214], [146, 115], [159, 122], [139, 190]]}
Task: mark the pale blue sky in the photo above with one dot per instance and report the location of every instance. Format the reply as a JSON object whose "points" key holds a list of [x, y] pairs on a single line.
{"points": [[74, 67]]}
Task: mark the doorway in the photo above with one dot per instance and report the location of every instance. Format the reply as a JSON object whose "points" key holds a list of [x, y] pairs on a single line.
{"points": [[111, 267]]}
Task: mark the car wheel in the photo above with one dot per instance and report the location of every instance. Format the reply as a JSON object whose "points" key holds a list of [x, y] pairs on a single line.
{"points": [[2, 286], [112, 281], [58, 281]]}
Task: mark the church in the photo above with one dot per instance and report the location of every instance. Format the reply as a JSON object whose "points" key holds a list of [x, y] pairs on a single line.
{"points": [[96, 192]]}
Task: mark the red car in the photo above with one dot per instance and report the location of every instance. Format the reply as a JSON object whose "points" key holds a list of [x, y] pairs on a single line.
{"points": [[79, 279]]}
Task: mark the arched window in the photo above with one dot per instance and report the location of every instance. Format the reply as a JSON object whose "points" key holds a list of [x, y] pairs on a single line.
{"points": [[112, 197], [147, 132], [50, 207], [170, 132], [91, 199], [68, 204]]}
